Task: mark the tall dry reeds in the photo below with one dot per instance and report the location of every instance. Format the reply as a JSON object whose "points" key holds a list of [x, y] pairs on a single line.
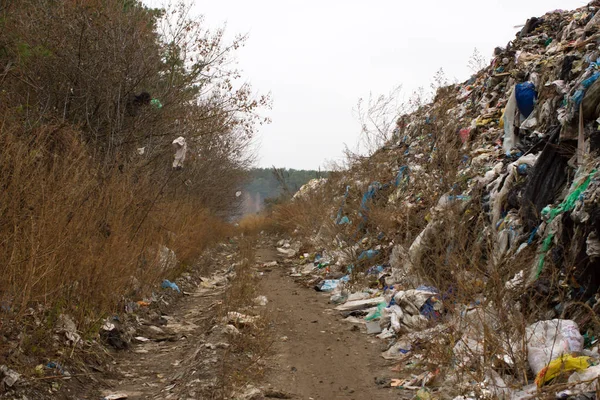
{"points": [[81, 238]]}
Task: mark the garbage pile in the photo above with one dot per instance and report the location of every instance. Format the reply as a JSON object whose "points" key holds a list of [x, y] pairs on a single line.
{"points": [[482, 276]]}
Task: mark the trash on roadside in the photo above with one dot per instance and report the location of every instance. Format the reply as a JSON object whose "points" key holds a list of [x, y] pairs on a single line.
{"points": [[67, 326], [167, 258], [261, 301], [376, 313], [338, 298], [166, 284], [270, 264], [111, 333], [230, 330], [328, 285], [397, 351], [116, 396], [236, 318], [290, 252], [584, 381], [373, 327], [511, 156], [56, 366], [156, 103], [525, 95], [9, 376], [360, 304], [368, 254], [564, 363]]}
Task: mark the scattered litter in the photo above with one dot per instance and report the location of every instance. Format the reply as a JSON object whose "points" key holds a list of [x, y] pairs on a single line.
{"points": [[360, 304], [237, 318], [548, 340], [261, 301], [270, 264], [116, 396], [564, 363], [9, 377], [166, 284], [180, 147]]}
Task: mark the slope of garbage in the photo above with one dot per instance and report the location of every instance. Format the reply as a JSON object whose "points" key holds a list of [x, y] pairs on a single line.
{"points": [[469, 243]]}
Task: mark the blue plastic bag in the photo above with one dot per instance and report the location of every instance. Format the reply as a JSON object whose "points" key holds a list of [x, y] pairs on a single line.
{"points": [[329, 285], [589, 81], [344, 220], [367, 254], [526, 95], [168, 284], [369, 194], [401, 177]]}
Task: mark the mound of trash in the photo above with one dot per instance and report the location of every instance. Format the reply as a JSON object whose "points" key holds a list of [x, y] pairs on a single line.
{"points": [[470, 242]]}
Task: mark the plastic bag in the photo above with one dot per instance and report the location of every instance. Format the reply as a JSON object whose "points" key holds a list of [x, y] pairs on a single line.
{"points": [[377, 313], [562, 364], [180, 147], [586, 380], [508, 123], [525, 95], [548, 340], [166, 284], [329, 285]]}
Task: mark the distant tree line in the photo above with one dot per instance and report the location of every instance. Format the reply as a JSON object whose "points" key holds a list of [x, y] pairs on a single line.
{"points": [[270, 184]]}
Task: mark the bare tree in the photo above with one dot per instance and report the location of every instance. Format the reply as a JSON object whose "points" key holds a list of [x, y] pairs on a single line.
{"points": [[377, 116], [477, 62]]}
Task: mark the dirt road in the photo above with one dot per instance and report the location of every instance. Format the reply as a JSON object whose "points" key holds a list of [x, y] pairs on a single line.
{"points": [[174, 356], [317, 354], [178, 353]]}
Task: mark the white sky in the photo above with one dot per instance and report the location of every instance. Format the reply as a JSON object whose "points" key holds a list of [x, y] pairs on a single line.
{"points": [[317, 58]]}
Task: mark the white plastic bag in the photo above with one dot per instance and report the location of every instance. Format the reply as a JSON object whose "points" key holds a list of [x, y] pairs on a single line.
{"points": [[396, 317], [510, 139], [180, 147], [548, 340], [588, 379]]}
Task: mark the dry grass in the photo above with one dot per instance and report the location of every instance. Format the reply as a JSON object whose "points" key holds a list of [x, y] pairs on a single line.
{"points": [[244, 361], [305, 215], [77, 239], [253, 224]]}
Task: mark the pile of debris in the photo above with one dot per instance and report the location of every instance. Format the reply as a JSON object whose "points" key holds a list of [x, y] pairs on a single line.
{"points": [[483, 275]]}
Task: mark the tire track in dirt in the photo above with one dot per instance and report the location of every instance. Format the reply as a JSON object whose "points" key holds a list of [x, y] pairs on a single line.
{"points": [[317, 354]]}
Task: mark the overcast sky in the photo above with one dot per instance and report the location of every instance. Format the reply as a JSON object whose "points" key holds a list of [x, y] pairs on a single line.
{"points": [[317, 58]]}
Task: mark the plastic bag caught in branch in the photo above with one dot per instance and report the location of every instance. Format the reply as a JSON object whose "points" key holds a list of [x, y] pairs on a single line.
{"points": [[180, 147]]}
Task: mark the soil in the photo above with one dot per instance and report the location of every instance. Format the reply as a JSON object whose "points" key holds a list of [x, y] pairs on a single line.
{"points": [[317, 354]]}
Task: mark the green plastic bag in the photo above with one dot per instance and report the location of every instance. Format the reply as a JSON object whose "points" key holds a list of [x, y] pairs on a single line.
{"points": [[378, 313], [156, 103]]}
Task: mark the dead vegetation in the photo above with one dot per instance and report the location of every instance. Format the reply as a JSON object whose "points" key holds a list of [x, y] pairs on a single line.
{"points": [[244, 362], [93, 95]]}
